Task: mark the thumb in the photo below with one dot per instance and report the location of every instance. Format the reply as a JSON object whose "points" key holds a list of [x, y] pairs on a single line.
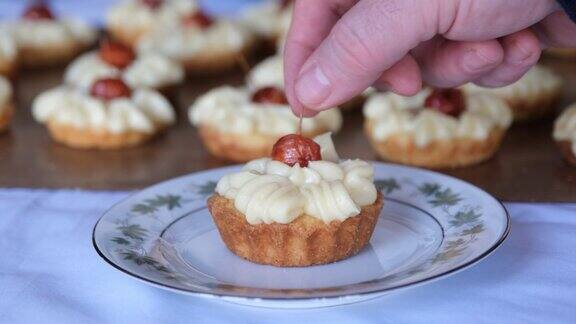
{"points": [[369, 39]]}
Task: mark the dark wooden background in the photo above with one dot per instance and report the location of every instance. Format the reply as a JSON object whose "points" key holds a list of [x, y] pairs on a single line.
{"points": [[527, 168]]}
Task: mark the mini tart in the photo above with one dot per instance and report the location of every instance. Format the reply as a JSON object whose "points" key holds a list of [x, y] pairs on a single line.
{"points": [[532, 97], [146, 71], [267, 20], [44, 43], [130, 20], [235, 128], [6, 106], [304, 242], [79, 120], [402, 130], [208, 50], [565, 134], [272, 213], [8, 55]]}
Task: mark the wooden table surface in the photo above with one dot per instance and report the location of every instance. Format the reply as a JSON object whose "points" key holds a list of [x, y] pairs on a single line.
{"points": [[527, 168]]}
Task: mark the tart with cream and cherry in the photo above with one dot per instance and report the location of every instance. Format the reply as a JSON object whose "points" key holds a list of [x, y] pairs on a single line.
{"points": [[441, 128], [565, 134], [130, 20], [6, 104], [114, 60], [532, 97], [43, 39], [200, 43], [301, 206], [240, 124], [111, 115]]}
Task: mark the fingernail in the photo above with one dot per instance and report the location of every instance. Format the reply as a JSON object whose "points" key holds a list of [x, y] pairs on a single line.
{"points": [[521, 54], [475, 61], [313, 87]]}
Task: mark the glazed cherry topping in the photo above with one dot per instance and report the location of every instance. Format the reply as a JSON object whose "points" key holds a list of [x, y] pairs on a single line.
{"points": [[38, 11], [446, 101], [271, 95], [198, 19], [152, 4], [116, 54], [293, 148], [110, 88]]}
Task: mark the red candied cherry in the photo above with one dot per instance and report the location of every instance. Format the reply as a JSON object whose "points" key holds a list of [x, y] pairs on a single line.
{"points": [[152, 4], [271, 95], [446, 101], [116, 54], [38, 11], [198, 19], [293, 148], [110, 88]]}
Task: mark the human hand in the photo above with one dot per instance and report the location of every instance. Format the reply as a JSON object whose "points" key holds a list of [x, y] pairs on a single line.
{"points": [[337, 48]]}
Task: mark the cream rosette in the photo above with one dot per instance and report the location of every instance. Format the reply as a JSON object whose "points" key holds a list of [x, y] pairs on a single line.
{"points": [[146, 71], [268, 73], [565, 127], [8, 51], [231, 110], [53, 34], [268, 191], [136, 17], [391, 114], [185, 43], [146, 111], [536, 83]]}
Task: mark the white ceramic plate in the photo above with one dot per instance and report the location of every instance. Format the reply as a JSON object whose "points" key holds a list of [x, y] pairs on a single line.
{"points": [[431, 226]]}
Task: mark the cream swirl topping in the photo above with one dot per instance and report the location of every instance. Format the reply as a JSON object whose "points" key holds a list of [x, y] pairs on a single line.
{"points": [[565, 127], [185, 42], [268, 73], [268, 191], [133, 14], [231, 110], [5, 93], [8, 48], [27, 33], [538, 81], [148, 71], [145, 111], [391, 114]]}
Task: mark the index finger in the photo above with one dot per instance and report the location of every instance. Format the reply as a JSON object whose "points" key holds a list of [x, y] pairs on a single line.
{"points": [[312, 21]]}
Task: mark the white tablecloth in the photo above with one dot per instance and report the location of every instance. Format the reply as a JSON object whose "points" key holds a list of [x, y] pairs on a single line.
{"points": [[50, 273]]}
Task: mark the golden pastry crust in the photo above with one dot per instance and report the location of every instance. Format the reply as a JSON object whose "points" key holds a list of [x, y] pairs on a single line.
{"points": [[565, 148], [8, 67], [241, 147], [446, 154], [95, 139], [304, 242], [6, 114], [526, 110], [562, 52], [50, 55], [217, 61]]}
